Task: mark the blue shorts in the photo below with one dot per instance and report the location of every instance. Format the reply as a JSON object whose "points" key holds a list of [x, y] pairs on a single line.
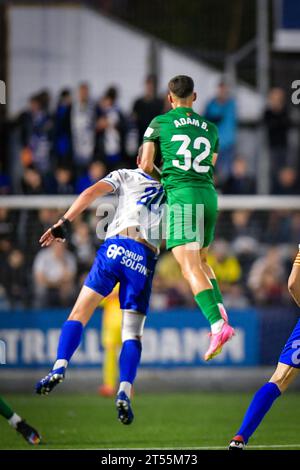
{"points": [[291, 352], [132, 264]]}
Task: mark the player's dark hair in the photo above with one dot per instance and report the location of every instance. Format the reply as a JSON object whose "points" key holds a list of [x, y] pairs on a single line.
{"points": [[181, 86]]}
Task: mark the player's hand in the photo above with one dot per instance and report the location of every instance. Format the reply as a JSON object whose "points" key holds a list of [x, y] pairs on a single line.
{"points": [[47, 238]]}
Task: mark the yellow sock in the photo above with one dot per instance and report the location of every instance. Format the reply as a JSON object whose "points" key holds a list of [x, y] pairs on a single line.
{"points": [[110, 367]]}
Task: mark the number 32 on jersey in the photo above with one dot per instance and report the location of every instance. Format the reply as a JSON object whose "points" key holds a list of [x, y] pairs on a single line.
{"points": [[183, 150]]}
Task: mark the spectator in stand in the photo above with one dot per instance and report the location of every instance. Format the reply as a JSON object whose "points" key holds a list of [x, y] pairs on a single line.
{"points": [[44, 220], [277, 229], [61, 182], [224, 263], [36, 128], [222, 111], [282, 227], [31, 225], [147, 107], [45, 100], [245, 233], [95, 172], [31, 182], [239, 180], [83, 127], [5, 182], [170, 289], [62, 129], [82, 241], [244, 224], [110, 129], [295, 228], [267, 278], [277, 122], [286, 182], [54, 270], [7, 241], [7, 225], [236, 297], [15, 280], [4, 303], [7, 238]]}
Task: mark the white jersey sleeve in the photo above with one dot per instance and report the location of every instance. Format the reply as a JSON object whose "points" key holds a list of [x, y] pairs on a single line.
{"points": [[114, 179]]}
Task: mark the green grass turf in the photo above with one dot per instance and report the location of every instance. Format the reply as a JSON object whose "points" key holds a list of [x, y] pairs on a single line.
{"points": [[173, 420]]}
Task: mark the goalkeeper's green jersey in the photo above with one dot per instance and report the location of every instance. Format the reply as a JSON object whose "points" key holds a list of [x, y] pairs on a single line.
{"points": [[187, 142]]}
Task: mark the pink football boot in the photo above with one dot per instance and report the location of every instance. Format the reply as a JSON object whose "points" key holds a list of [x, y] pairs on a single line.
{"points": [[223, 312], [218, 340]]}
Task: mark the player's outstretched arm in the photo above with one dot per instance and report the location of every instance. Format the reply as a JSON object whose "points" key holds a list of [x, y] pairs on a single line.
{"points": [[84, 200], [294, 280], [148, 157]]}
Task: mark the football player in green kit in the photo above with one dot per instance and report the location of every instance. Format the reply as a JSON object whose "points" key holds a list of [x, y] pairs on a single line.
{"points": [[188, 144], [28, 432]]}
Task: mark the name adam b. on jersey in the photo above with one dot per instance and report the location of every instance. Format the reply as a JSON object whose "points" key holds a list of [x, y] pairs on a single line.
{"points": [[187, 142], [178, 123]]}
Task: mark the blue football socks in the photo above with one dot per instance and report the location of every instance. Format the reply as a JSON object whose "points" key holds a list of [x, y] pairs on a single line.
{"points": [[129, 360], [260, 405], [69, 340]]}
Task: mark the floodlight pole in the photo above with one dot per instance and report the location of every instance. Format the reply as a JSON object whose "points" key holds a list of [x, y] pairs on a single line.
{"points": [[260, 44], [154, 59], [262, 50], [263, 83]]}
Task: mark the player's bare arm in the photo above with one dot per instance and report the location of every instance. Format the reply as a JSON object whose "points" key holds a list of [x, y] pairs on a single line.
{"points": [[155, 172], [148, 156], [294, 280], [84, 200]]}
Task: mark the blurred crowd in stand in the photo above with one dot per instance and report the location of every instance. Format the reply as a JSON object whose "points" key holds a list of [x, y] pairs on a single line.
{"points": [[62, 148], [252, 256], [61, 145]]}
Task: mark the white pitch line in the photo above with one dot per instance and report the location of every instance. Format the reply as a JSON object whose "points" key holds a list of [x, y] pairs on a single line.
{"points": [[261, 446], [274, 446]]}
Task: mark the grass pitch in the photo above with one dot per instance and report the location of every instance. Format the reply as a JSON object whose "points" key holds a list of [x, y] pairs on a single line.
{"points": [[176, 420]]}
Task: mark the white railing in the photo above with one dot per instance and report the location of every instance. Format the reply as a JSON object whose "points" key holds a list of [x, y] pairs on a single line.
{"points": [[257, 202]]}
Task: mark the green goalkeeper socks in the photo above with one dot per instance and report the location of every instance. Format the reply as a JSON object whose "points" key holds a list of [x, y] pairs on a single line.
{"points": [[207, 302], [5, 409], [217, 292]]}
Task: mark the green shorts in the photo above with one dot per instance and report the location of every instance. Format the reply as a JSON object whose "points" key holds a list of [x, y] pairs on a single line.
{"points": [[191, 216]]}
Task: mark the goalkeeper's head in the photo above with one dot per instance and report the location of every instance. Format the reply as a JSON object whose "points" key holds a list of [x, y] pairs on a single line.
{"points": [[181, 91]]}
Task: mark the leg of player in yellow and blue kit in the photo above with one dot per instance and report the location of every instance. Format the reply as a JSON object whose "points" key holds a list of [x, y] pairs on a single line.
{"points": [[109, 370], [264, 399], [286, 371]]}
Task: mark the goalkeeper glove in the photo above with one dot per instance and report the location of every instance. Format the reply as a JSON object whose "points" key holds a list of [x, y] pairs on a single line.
{"points": [[63, 230]]}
